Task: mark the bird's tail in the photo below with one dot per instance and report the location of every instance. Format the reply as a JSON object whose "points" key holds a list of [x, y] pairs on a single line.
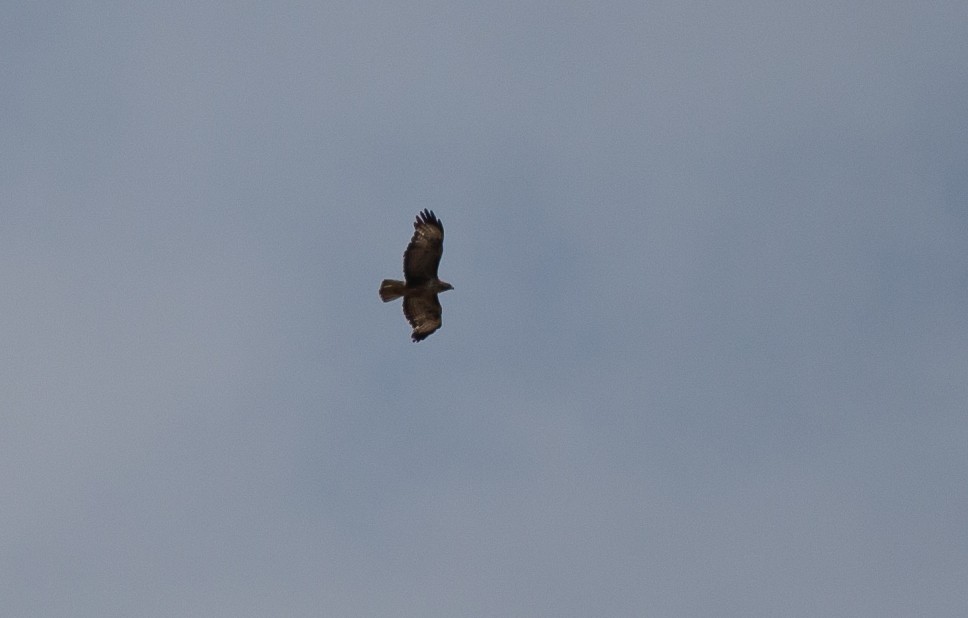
{"points": [[391, 289]]}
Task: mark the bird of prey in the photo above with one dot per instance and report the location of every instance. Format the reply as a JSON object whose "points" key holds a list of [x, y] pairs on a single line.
{"points": [[419, 291]]}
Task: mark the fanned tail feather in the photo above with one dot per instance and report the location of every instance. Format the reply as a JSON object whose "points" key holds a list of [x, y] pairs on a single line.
{"points": [[391, 289]]}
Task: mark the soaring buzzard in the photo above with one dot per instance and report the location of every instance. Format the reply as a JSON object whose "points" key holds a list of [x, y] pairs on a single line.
{"points": [[420, 290]]}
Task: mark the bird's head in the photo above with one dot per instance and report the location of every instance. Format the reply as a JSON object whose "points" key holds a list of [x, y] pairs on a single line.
{"points": [[443, 286]]}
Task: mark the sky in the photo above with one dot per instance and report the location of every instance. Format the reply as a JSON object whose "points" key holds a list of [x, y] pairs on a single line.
{"points": [[706, 355]]}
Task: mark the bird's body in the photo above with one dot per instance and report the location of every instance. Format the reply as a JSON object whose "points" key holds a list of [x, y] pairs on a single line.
{"points": [[420, 289]]}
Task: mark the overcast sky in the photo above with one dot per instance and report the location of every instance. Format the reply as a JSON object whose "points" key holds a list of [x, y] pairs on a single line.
{"points": [[707, 352]]}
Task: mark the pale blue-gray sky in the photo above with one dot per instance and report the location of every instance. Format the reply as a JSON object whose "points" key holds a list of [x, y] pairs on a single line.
{"points": [[707, 354]]}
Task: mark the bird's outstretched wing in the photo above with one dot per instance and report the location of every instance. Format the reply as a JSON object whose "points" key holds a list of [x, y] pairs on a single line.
{"points": [[422, 257], [423, 313]]}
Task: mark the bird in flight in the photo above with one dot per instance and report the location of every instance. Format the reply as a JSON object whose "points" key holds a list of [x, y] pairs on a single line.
{"points": [[419, 291]]}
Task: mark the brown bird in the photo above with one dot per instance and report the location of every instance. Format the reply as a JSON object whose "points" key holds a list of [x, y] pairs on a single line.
{"points": [[419, 291]]}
